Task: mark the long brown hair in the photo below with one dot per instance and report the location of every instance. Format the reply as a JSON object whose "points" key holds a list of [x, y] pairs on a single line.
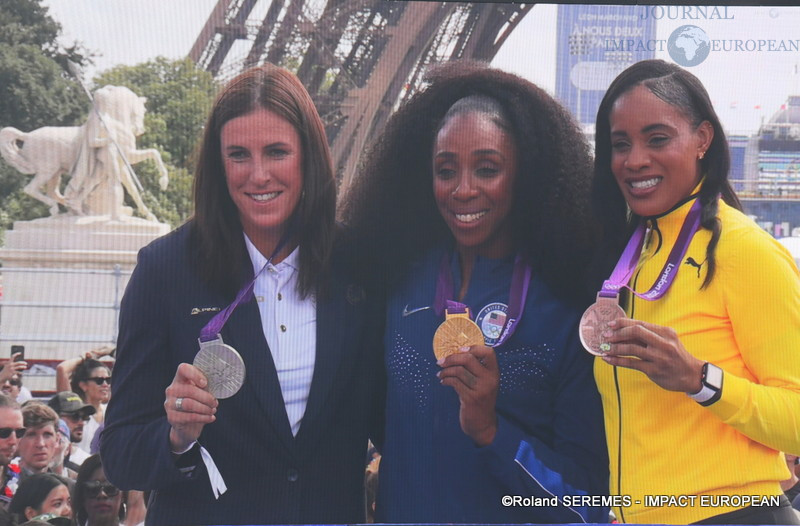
{"points": [[217, 238]]}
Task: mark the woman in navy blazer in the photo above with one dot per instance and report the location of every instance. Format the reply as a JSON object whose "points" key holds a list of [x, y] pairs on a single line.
{"points": [[289, 445]]}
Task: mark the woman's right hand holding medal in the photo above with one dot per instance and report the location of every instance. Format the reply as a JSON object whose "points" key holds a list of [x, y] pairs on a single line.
{"points": [[475, 376], [189, 406], [656, 351]]}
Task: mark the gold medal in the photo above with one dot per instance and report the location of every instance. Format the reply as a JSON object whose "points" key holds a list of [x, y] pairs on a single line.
{"points": [[455, 332]]}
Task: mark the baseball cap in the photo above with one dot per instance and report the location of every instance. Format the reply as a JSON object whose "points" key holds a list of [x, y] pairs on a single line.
{"points": [[69, 402]]}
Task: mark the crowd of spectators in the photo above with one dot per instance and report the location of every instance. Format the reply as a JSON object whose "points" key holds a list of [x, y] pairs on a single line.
{"points": [[48, 474]]}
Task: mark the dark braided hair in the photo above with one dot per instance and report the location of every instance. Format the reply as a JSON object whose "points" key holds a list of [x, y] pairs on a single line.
{"points": [[682, 90]]}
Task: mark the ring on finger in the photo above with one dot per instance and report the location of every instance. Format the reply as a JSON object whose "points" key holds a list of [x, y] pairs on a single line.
{"points": [[179, 404]]}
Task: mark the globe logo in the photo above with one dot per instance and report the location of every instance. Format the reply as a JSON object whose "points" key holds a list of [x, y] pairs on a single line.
{"points": [[688, 46]]}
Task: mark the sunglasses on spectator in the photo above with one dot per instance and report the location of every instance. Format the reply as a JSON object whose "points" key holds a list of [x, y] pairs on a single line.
{"points": [[100, 380], [13, 381], [94, 488], [5, 432], [77, 417]]}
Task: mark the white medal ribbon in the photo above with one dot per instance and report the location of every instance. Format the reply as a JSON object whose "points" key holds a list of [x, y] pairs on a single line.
{"points": [[214, 476]]}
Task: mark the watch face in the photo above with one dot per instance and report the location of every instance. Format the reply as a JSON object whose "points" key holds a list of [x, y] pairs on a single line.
{"points": [[713, 376]]}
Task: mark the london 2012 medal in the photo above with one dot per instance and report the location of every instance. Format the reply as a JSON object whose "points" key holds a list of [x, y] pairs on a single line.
{"points": [[223, 367], [594, 323], [456, 332]]}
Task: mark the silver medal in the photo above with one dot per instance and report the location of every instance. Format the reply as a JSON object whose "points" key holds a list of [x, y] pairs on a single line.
{"points": [[223, 367]]}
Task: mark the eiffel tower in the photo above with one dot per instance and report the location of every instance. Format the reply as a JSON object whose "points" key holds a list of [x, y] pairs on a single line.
{"points": [[359, 59]]}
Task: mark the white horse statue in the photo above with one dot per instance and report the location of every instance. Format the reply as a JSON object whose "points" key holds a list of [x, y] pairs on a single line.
{"points": [[97, 155]]}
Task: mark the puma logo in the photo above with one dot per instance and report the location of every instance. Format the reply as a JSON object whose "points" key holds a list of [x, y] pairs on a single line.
{"points": [[692, 263]]}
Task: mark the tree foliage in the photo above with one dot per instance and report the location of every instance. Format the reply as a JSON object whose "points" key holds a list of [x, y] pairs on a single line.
{"points": [[178, 93], [179, 97], [36, 90]]}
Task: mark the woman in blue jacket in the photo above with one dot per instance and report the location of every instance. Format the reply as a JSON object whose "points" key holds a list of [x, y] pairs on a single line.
{"points": [[474, 201]]}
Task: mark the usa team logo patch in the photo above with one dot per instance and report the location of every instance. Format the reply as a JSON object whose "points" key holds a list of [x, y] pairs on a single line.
{"points": [[491, 320]]}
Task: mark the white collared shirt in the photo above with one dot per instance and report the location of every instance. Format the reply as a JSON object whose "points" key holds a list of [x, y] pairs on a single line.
{"points": [[290, 328]]}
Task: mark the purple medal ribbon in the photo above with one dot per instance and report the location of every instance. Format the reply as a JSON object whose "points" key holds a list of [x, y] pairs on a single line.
{"points": [[625, 266], [212, 332], [630, 257], [213, 328], [454, 307], [520, 283]]}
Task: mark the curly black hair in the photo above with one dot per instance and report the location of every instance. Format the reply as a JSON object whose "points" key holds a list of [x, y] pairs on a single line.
{"points": [[390, 208], [679, 88]]}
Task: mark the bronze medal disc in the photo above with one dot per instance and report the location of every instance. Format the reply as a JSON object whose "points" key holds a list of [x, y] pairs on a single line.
{"points": [[595, 321], [454, 333]]}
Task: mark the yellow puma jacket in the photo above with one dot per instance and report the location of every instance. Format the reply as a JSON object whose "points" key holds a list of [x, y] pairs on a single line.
{"points": [[747, 322]]}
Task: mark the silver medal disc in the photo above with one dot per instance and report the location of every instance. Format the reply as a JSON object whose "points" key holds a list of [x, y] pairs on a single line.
{"points": [[223, 367], [595, 321]]}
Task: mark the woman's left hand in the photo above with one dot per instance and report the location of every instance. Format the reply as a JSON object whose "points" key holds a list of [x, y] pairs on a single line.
{"points": [[654, 350], [474, 374]]}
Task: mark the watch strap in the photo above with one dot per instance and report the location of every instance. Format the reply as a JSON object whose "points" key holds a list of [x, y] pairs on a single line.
{"points": [[711, 382]]}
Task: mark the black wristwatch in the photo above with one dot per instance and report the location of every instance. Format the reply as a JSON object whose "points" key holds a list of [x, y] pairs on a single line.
{"points": [[711, 389]]}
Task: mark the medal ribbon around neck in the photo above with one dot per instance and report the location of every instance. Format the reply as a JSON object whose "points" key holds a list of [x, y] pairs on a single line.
{"points": [[630, 257], [517, 295], [213, 328], [211, 340], [594, 322]]}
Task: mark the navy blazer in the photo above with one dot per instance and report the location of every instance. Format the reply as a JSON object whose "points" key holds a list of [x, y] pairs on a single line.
{"points": [[272, 476]]}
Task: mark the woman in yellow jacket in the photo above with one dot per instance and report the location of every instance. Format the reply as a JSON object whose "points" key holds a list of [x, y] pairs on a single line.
{"points": [[699, 370]]}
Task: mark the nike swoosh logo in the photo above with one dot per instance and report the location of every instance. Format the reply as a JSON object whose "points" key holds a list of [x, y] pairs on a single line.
{"points": [[407, 312]]}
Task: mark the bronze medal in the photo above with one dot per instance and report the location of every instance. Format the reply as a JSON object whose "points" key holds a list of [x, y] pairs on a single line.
{"points": [[595, 321]]}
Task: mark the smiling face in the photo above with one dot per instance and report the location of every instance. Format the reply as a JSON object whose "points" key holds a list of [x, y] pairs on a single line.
{"points": [[655, 151], [94, 393], [474, 168], [263, 160]]}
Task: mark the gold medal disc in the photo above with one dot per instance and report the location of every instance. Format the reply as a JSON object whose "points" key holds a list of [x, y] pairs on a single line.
{"points": [[455, 332]]}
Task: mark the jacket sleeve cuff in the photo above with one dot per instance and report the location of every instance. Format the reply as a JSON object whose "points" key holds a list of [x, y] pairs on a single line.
{"points": [[735, 391]]}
